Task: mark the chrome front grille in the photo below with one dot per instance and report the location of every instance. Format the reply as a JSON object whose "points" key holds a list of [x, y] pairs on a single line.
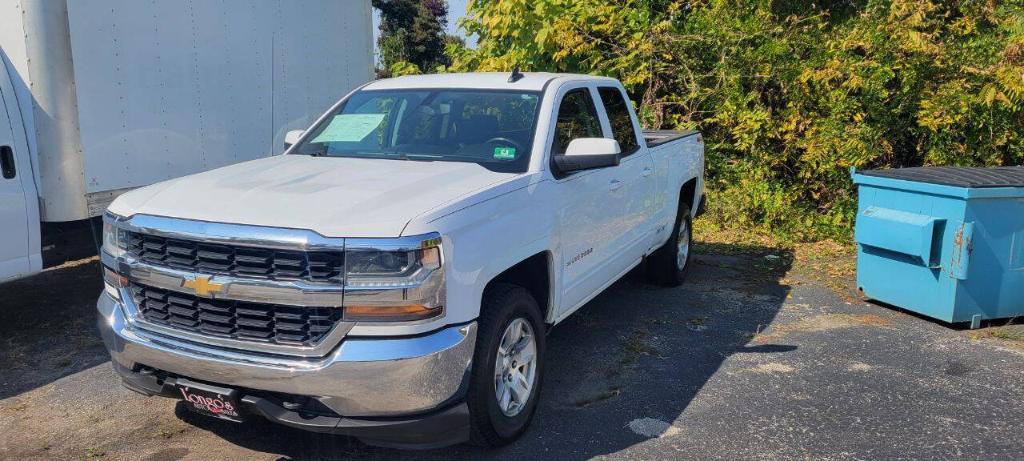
{"points": [[217, 258], [270, 323]]}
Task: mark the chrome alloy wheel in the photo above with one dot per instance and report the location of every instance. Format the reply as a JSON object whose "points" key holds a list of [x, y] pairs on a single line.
{"points": [[682, 245], [515, 368]]}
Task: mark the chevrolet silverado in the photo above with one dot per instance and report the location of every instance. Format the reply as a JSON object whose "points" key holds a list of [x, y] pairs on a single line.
{"points": [[393, 274]]}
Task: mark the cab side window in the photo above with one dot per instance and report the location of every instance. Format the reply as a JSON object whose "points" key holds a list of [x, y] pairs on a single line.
{"points": [[577, 118], [618, 116]]}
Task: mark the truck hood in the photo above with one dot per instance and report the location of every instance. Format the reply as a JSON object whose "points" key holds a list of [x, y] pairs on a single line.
{"points": [[336, 197]]}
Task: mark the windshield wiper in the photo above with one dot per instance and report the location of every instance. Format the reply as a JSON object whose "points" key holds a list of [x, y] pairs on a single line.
{"points": [[402, 155], [388, 155], [420, 157]]}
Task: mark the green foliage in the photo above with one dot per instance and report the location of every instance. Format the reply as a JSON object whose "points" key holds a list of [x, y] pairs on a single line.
{"points": [[412, 35], [789, 94], [401, 68]]}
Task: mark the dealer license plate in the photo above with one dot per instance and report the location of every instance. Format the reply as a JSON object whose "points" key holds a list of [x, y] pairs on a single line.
{"points": [[219, 402]]}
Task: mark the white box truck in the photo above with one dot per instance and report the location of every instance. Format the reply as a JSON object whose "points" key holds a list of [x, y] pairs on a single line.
{"points": [[97, 98]]}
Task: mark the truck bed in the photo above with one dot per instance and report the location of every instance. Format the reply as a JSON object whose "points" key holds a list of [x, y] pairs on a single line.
{"points": [[656, 138]]}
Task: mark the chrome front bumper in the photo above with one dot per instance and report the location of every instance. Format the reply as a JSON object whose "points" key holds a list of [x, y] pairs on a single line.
{"points": [[362, 377]]}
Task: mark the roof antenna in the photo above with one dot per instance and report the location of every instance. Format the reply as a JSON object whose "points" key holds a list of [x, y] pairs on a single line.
{"points": [[516, 75]]}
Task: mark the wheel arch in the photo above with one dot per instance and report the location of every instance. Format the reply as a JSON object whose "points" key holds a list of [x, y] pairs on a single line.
{"points": [[535, 275], [688, 195]]}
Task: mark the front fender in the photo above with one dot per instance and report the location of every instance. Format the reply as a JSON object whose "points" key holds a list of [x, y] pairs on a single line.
{"points": [[485, 238]]}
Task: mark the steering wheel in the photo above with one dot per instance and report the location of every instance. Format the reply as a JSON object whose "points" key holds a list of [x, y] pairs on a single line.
{"points": [[499, 139]]}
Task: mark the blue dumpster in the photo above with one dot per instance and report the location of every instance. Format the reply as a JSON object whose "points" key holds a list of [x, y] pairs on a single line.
{"points": [[945, 242]]}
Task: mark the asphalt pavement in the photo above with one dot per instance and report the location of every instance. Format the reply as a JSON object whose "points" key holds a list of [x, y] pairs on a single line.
{"points": [[748, 360]]}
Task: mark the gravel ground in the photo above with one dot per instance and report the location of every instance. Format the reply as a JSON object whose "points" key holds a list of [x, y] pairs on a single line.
{"points": [[735, 364]]}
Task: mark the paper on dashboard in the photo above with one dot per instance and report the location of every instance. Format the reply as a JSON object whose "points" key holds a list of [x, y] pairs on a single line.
{"points": [[349, 128]]}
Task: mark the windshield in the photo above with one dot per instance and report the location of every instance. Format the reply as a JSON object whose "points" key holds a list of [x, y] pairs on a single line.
{"points": [[490, 127]]}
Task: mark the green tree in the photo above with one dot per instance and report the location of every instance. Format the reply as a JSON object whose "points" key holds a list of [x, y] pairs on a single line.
{"points": [[412, 35], [789, 94]]}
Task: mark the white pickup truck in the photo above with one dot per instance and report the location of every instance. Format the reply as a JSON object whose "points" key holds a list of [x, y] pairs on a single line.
{"points": [[393, 274]]}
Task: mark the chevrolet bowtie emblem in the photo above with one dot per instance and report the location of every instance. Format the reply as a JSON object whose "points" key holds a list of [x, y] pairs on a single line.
{"points": [[202, 286]]}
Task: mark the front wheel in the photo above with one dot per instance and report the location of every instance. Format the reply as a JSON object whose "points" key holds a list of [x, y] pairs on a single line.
{"points": [[507, 366], [669, 264]]}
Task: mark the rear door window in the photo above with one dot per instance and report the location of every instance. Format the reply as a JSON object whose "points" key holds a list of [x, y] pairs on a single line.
{"points": [[618, 116]]}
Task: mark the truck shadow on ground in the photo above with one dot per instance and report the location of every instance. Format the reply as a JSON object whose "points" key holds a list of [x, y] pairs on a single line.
{"points": [[48, 326], [619, 372]]}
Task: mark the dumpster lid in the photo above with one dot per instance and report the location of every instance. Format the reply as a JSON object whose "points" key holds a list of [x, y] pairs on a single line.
{"points": [[957, 176]]}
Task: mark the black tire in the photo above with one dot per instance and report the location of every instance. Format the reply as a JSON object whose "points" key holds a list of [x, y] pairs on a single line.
{"points": [[662, 266], [502, 304]]}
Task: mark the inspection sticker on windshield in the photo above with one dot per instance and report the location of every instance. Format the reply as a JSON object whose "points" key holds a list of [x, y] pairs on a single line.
{"points": [[349, 128], [505, 153]]}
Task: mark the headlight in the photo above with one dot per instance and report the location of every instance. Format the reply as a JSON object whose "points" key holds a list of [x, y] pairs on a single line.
{"points": [[394, 285], [115, 239], [113, 282], [115, 243]]}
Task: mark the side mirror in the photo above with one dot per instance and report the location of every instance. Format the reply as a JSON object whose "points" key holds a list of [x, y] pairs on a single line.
{"points": [[588, 154], [292, 137]]}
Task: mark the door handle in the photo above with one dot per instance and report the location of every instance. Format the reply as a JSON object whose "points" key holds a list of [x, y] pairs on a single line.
{"points": [[647, 171], [615, 184], [7, 162]]}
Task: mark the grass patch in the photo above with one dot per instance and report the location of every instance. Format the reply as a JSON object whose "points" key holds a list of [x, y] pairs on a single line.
{"points": [[830, 262], [710, 236], [166, 433], [1011, 333], [636, 344], [614, 391], [697, 323], [633, 347]]}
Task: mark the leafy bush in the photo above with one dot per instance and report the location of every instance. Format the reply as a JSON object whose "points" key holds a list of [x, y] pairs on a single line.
{"points": [[790, 95]]}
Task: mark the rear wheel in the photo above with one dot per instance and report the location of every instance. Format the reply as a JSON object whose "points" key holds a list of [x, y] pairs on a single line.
{"points": [[507, 366], [669, 264]]}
